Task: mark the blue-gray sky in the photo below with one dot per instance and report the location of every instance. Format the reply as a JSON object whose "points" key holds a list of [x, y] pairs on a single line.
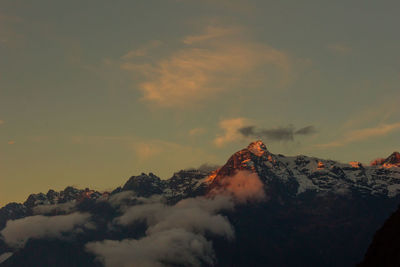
{"points": [[92, 92]]}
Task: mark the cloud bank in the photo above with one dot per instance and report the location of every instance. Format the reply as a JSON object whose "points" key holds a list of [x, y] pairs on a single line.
{"points": [[175, 234], [174, 246], [17, 232]]}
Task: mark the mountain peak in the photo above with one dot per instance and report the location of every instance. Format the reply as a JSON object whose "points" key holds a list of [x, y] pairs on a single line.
{"points": [[242, 160], [257, 148], [393, 159]]}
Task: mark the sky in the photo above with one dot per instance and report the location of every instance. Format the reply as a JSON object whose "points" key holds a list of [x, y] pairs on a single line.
{"points": [[93, 92]]}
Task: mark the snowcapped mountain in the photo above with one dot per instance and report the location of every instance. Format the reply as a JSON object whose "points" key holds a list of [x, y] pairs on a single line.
{"points": [[299, 173], [313, 212]]}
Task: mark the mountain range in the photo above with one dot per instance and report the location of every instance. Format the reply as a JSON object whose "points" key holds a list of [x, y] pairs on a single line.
{"points": [[258, 209]]}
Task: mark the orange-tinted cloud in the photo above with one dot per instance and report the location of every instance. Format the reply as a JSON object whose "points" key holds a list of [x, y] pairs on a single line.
{"points": [[231, 131], [244, 186], [340, 48], [215, 61], [11, 142], [197, 131], [147, 150], [143, 50], [362, 134]]}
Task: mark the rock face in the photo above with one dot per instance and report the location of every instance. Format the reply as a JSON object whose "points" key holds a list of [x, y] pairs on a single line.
{"points": [[317, 212], [393, 159], [145, 185]]}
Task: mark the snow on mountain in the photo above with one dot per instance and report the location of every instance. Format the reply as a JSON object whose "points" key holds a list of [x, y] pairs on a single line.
{"points": [[301, 172]]}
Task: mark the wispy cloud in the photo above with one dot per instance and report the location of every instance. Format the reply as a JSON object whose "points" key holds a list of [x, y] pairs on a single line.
{"points": [[339, 48], [362, 135], [2, 122], [378, 112], [230, 129], [210, 32], [207, 64], [197, 131], [142, 51], [17, 232]]}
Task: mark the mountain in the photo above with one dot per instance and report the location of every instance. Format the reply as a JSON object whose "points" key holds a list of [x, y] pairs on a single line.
{"points": [[282, 211], [385, 247]]}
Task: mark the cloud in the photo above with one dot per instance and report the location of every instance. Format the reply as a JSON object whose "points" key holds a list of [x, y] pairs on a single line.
{"points": [[175, 234], [210, 32], [146, 150], [17, 232], [193, 214], [175, 247], [240, 129], [276, 134], [231, 131], [62, 207], [379, 112], [142, 51], [11, 142], [340, 48], [244, 186], [207, 167], [306, 130], [197, 131], [2, 122], [362, 134], [207, 64]]}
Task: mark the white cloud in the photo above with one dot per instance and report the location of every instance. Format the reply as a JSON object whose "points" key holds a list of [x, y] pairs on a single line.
{"points": [[62, 207], [174, 246], [174, 235], [17, 232], [193, 214]]}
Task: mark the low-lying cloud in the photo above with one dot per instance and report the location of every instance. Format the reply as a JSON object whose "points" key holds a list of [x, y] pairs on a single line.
{"points": [[174, 246], [287, 133], [67, 207], [175, 234], [244, 187], [17, 232]]}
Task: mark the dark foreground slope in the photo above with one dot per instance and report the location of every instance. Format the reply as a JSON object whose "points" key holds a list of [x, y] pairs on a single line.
{"points": [[311, 212], [385, 247]]}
